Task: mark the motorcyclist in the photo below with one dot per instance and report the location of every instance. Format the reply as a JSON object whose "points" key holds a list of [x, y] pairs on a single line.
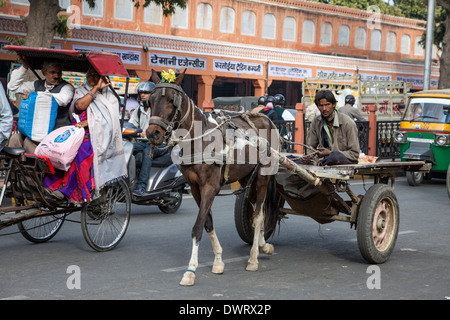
{"points": [[140, 119], [268, 109]]}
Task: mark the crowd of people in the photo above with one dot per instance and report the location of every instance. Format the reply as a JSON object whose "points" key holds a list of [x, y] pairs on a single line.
{"points": [[100, 158]]}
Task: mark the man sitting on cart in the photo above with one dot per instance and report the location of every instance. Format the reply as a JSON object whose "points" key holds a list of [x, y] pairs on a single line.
{"points": [[61, 90], [333, 136]]}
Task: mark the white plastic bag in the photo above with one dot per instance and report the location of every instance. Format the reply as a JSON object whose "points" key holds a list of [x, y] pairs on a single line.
{"points": [[61, 146]]}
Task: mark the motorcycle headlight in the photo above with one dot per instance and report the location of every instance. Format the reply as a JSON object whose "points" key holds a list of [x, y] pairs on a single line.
{"points": [[399, 136], [442, 139]]}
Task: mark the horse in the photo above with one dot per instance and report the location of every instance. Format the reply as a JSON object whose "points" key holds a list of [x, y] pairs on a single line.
{"points": [[174, 115]]}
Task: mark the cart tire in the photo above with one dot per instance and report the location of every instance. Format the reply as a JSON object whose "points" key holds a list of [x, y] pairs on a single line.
{"points": [[243, 214], [414, 178], [377, 223], [41, 229], [105, 220], [448, 180]]}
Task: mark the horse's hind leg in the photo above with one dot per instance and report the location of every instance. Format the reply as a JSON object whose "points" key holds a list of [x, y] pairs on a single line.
{"points": [[258, 237]]}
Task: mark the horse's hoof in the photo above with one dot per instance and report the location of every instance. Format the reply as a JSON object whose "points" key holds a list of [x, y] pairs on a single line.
{"points": [[252, 266], [188, 279], [218, 268], [267, 248]]}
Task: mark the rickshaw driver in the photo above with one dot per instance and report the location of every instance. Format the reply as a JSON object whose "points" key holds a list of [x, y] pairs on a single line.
{"points": [[333, 134], [61, 90]]}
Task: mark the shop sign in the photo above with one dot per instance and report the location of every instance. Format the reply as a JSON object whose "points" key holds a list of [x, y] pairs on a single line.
{"points": [[417, 82], [289, 72], [322, 73], [220, 65], [172, 61], [127, 56], [375, 77]]}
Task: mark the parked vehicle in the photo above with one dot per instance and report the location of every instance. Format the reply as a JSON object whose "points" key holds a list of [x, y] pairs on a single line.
{"points": [[425, 134], [165, 185]]}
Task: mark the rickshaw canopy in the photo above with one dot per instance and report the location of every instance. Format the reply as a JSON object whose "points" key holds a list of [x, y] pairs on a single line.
{"points": [[105, 63]]}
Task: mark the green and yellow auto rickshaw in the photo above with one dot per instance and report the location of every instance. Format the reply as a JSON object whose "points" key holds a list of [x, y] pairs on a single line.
{"points": [[425, 134]]}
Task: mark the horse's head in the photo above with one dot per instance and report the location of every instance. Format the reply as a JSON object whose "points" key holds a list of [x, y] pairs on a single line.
{"points": [[166, 103]]}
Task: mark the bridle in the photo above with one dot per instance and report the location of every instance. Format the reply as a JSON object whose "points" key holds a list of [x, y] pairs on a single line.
{"points": [[171, 125]]}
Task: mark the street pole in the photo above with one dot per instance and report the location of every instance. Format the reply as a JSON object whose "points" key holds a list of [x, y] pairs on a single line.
{"points": [[429, 44]]}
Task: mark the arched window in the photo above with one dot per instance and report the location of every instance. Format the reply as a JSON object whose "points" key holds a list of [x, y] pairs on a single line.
{"points": [[289, 29], [204, 16], [227, 20], [344, 34], [308, 31], [180, 18], [153, 14], [418, 49], [405, 46], [375, 40], [248, 25], [325, 34], [269, 26], [360, 38], [391, 42], [97, 11]]}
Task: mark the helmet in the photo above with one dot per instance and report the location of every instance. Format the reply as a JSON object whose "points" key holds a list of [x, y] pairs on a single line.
{"points": [[262, 100], [145, 87], [349, 99], [279, 99], [271, 99]]}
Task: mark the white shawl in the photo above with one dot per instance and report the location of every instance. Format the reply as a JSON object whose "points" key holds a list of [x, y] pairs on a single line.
{"points": [[106, 138]]}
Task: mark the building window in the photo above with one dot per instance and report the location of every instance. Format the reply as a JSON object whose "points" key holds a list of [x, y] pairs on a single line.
{"points": [[64, 3], [289, 29], [123, 10], [405, 46], [269, 26], [325, 34], [204, 16], [180, 18], [97, 11], [248, 23], [391, 42], [375, 40], [227, 20], [21, 2], [344, 34], [418, 49], [360, 38], [308, 31], [153, 14]]}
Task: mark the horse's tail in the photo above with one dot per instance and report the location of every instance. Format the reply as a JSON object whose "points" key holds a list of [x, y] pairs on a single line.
{"points": [[272, 207]]}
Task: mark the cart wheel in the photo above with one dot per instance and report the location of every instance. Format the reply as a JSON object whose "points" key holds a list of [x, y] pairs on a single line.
{"points": [[104, 221], [243, 218], [377, 223], [41, 229], [414, 178], [173, 207], [448, 180]]}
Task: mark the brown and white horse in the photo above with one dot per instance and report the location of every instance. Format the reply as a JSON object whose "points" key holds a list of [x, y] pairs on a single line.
{"points": [[235, 138]]}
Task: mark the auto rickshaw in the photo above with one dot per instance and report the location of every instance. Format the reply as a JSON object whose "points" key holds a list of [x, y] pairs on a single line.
{"points": [[424, 134]]}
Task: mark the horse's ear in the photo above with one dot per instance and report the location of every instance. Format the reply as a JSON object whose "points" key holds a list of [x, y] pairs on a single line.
{"points": [[154, 77], [180, 77]]}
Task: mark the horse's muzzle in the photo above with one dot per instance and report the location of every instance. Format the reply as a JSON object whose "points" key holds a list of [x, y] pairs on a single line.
{"points": [[155, 135]]}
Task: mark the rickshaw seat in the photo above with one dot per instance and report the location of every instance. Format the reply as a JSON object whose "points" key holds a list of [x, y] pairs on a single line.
{"points": [[14, 152]]}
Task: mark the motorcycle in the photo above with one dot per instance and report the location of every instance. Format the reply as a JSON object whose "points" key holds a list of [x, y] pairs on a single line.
{"points": [[166, 184]]}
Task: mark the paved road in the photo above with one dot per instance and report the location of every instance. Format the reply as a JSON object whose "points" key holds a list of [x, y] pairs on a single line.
{"points": [[311, 261]]}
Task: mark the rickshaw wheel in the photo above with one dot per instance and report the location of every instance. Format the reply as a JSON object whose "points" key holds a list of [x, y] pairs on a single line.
{"points": [[105, 221], [377, 223], [414, 178], [42, 229], [448, 180], [243, 218]]}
